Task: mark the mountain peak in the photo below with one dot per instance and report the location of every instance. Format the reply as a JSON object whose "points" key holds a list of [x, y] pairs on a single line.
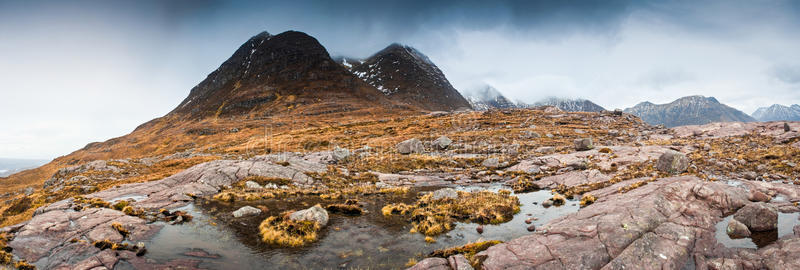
{"points": [[267, 67], [485, 97], [689, 110], [570, 105], [404, 74], [778, 112]]}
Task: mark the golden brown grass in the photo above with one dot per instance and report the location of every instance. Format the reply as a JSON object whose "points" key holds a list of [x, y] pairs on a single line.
{"points": [[282, 231], [433, 217]]}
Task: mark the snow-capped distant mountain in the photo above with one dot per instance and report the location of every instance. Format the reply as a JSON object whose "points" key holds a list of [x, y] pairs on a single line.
{"points": [[691, 110], [404, 74], [571, 105], [778, 112], [486, 97]]}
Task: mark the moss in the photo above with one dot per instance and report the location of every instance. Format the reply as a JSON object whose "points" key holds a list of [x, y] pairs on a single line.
{"points": [[225, 197], [131, 211], [103, 244], [282, 231], [120, 205], [558, 199], [23, 265], [605, 150], [433, 217], [469, 250], [430, 239], [5, 257], [350, 207], [587, 199], [411, 262], [121, 229]]}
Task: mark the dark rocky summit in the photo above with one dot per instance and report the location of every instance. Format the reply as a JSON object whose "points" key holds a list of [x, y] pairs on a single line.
{"points": [[404, 74], [691, 110]]}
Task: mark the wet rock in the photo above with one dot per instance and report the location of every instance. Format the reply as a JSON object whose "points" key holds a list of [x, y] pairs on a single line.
{"points": [[584, 144], [491, 163], [758, 217], [672, 162], [315, 213], [442, 143], [547, 203], [758, 196], [737, 229], [531, 228], [432, 264], [340, 154], [246, 211], [410, 146], [459, 262], [479, 229], [252, 185], [447, 193]]}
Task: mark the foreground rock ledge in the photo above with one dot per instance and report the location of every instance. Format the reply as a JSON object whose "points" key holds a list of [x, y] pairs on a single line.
{"points": [[666, 224]]}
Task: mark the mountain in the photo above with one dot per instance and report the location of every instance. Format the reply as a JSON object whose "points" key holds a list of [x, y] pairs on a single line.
{"points": [[571, 105], [271, 74], [487, 97], [691, 110], [404, 74], [778, 112], [9, 166]]}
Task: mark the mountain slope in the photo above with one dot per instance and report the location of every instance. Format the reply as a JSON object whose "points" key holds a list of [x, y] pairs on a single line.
{"points": [[272, 74], [691, 110], [571, 105], [487, 97], [778, 112], [404, 74]]}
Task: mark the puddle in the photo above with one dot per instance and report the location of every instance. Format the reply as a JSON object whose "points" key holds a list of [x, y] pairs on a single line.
{"points": [[134, 197], [786, 223], [368, 241]]}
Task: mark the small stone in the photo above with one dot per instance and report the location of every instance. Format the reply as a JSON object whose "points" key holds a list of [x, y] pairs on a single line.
{"points": [[491, 163], [252, 185], [442, 142], [531, 228], [479, 229], [737, 230], [448, 193], [410, 146], [750, 175], [758, 196], [28, 191], [545, 150], [617, 112], [672, 162], [340, 154], [316, 214], [547, 203], [246, 211], [584, 144], [528, 221], [786, 127]]}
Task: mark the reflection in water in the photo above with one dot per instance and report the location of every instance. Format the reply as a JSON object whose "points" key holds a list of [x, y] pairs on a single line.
{"points": [[368, 241], [786, 223]]}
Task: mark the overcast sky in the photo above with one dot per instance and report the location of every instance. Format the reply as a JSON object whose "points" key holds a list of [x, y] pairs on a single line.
{"points": [[73, 72]]}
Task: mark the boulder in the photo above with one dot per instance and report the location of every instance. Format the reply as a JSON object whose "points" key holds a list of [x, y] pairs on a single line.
{"points": [[758, 217], [758, 196], [410, 146], [786, 127], [442, 142], [672, 162], [584, 144], [737, 229], [445, 193], [340, 154], [545, 150], [316, 214], [491, 163], [246, 211]]}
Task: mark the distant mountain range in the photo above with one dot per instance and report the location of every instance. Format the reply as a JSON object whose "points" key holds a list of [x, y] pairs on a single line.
{"points": [[9, 166], [570, 105], [691, 110], [778, 112], [486, 97]]}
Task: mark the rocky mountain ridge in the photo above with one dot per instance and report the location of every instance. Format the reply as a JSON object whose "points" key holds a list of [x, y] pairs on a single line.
{"points": [[691, 110], [778, 112]]}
